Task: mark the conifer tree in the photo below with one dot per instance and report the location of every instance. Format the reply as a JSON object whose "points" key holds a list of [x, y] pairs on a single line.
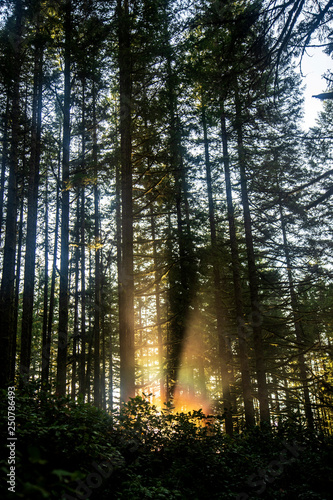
{"points": [[33, 185], [126, 278], [8, 274], [64, 258]]}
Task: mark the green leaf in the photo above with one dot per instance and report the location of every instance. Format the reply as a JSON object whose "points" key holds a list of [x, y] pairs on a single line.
{"points": [[61, 473]]}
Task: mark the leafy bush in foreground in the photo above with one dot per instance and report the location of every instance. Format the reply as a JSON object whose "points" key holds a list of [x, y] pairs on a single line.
{"points": [[68, 450]]}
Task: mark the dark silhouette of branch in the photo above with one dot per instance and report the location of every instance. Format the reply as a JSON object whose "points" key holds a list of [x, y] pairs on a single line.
{"points": [[324, 96], [326, 195]]}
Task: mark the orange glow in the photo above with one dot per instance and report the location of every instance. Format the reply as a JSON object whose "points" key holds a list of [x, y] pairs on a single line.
{"points": [[186, 401], [191, 392]]}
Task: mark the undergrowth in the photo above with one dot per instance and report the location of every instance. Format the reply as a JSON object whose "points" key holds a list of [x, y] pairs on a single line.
{"points": [[71, 450]]}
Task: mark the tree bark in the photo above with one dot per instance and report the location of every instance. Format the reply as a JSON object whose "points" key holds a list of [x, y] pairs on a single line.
{"points": [[256, 320], [17, 284], [33, 184], [90, 336], [82, 365], [158, 309], [76, 298], [224, 351], [241, 329], [8, 274], [182, 286], [297, 323], [105, 333], [97, 308], [126, 278], [46, 353], [4, 159], [46, 283], [64, 259]]}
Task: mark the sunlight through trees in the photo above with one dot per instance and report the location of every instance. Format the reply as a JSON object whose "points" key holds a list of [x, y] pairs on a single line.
{"points": [[166, 223]]}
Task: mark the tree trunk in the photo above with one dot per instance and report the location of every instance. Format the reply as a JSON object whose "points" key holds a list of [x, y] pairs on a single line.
{"points": [[17, 283], [33, 184], [119, 264], [297, 324], [64, 259], [8, 274], [224, 351], [46, 284], [105, 333], [82, 366], [126, 278], [46, 354], [76, 298], [241, 330], [256, 320], [4, 159], [97, 308], [158, 309], [182, 289], [90, 325]]}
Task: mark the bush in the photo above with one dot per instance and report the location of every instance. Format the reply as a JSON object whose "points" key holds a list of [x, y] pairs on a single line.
{"points": [[71, 450]]}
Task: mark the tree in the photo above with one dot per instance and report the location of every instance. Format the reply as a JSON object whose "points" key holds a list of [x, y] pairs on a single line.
{"points": [[7, 284], [224, 349], [126, 278], [241, 327], [33, 184], [256, 319], [63, 293]]}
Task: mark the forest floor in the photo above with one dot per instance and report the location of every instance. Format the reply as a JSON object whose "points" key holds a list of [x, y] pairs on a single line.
{"points": [[69, 450]]}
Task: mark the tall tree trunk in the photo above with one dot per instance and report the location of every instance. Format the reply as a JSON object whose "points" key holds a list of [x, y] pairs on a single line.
{"points": [[105, 332], [90, 305], [111, 381], [182, 290], [46, 285], [97, 236], [17, 282], [46, 354], [297, 323], [33, 184], [224, 351], [4, 159], [126, 278], [82, 385], [119, 264], [241, 330], [76, 298], [82, 366], [8, 274], [158, 309], [256, 321], [64, 260]]}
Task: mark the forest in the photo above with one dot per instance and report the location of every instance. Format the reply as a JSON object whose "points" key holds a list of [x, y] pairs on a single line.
{"points": [[166, 296]]}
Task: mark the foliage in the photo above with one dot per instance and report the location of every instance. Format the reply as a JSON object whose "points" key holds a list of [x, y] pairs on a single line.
{"points": [[62, 446]]}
